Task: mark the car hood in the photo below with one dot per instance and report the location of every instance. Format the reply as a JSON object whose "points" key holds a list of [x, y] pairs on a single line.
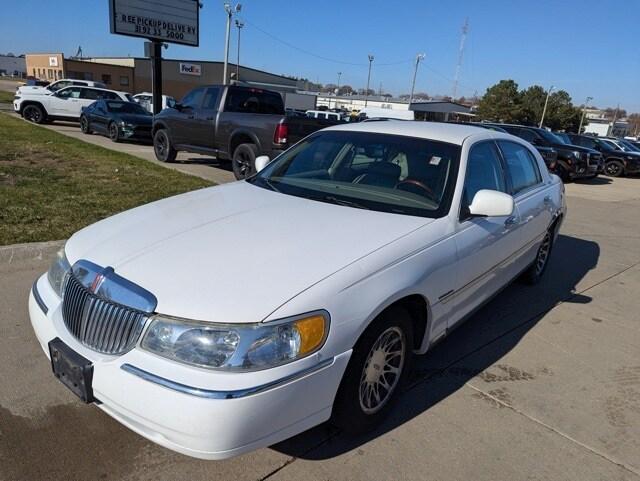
{"points": [[576, 148], [138, 119], [235, 253], [33, 90]]}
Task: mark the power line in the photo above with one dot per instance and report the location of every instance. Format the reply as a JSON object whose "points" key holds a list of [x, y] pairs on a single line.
{"points": [[321, 57]]}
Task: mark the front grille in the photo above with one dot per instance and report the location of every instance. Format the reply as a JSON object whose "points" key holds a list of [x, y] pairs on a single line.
{"points": [[99, 324]]}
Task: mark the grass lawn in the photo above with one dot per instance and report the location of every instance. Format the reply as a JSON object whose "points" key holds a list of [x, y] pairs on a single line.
{"points": [[52, 185], [6, 96]]}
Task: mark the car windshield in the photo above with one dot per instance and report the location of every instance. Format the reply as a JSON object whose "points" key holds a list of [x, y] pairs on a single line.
{"points": [[126, 108], [629, 146], [608, 145], [564, 137], [387, 173], [551, 137]]}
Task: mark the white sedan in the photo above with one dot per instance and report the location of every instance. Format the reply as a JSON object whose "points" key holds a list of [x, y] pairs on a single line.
{"points": [[231, 318]]}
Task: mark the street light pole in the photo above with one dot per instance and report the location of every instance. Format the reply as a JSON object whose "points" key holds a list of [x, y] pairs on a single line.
{"points": [[230, 10], [544, 110], [338, 88], [419, 57], [584, 110], [366, 93], [239, 24]]}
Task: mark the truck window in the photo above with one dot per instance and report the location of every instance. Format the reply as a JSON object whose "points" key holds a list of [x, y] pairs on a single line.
{"points": [[253, 101], [193, 98], [210, 98]]}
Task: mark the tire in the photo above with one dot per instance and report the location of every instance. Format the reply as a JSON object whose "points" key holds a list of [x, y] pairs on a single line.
{"points": [[34, 113], [85, 126], [356, 409], [535, 271], [614, 168], [162, 146], [114, 132], [563, 173], [244, 160]]}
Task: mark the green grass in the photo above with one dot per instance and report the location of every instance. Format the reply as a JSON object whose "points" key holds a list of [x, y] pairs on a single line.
{"points": [[6, 96], [52, 185]]}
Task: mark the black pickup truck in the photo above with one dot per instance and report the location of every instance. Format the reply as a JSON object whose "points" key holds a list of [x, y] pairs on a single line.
{"points": [[617, 162], [231, 122]]}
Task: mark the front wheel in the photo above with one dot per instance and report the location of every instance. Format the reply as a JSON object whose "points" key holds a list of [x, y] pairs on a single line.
{"points": [[614, 168], [244, 161], [114, 132], [162, 147], [34, 113], [377, 370]]}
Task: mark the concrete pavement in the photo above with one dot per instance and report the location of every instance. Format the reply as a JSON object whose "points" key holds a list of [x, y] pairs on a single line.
{"points": [[541, 384]]}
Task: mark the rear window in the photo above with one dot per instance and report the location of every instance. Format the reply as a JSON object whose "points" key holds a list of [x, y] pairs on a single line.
{"points": [[254, 101]]}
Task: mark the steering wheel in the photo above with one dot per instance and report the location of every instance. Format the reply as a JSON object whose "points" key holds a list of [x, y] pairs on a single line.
{"points": [[419, 184]]}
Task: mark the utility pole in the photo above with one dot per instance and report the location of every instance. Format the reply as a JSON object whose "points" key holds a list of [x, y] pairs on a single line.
{"points": [[465, 29], [338, 88], [230, 11], [544, 109], [613, 123], [584, 110], [419, 57], [239, 24], [366, 92]]}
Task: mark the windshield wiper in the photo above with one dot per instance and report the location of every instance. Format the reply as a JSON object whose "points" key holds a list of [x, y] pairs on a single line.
{"points": [[346, 203]]}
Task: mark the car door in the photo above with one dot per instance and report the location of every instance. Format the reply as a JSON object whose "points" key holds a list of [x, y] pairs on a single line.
{"points": [[205, 117], [64, 102], [531, 196], [99, 116], [181, 122], [484, 245]]}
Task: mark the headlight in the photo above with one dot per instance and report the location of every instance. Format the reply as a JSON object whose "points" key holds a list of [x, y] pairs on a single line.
{"points": [[58, 270], [236, 347], [576, 154]]}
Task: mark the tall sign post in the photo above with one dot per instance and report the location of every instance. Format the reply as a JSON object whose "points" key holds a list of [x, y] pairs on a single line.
{"points": [[159, 22]]}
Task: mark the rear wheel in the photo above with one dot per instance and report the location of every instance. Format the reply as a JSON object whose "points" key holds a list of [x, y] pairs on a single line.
{"points": [[84, 125], [534, 273], [114, 132], [244, 160], [377, 370], [34, 113], [614, 168], [162, 147]]}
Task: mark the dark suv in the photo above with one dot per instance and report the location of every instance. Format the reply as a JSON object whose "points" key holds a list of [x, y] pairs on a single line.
{"points": [[617, 162], [574, 161]]}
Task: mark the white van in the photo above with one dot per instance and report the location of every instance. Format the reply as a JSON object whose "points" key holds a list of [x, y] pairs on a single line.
{"points": [[324, 115]]}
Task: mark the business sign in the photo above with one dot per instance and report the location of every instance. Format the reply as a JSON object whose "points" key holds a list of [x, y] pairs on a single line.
{"points": [[53, 61], [190, 69], [172, 21]]}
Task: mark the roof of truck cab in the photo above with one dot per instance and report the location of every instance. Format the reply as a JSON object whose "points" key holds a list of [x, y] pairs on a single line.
{"points": [[444, 132]]}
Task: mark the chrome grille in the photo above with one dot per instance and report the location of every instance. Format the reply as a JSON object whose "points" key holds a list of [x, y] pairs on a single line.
{"points": [[100, 324]]}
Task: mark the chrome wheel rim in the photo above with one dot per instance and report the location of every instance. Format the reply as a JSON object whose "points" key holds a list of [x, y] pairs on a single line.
{"points": [[543, 254], [382, 370]]}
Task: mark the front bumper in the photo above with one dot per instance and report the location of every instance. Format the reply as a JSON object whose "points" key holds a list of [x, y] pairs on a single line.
{"points": [[267, 407], [632, 167]]}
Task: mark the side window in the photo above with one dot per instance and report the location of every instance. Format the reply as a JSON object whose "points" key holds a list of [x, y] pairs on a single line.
{"points": [[71, 92], [521, 166], [484, 171], [90, 94], [210, 98], [193, 99], [527, 135]]}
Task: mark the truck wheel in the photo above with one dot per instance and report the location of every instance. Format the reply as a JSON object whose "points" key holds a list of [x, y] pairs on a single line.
{"points": [[377, 370], [244, 160], [34, 113], [563, 173], [162, 147], [614, 168]]}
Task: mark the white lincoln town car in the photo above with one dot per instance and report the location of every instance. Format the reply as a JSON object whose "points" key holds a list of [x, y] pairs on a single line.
{"points": [[234, 317]]}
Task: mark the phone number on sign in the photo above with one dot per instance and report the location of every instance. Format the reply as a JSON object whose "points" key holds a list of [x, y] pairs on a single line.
{"points": [[159, 32]]}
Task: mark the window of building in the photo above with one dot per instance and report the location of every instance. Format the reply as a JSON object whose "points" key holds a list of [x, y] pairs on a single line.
{"points": [[106, 79], [124, 80]]}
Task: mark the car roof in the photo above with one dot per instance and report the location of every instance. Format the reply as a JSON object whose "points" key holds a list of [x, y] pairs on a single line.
{"points": [[442, 131]]}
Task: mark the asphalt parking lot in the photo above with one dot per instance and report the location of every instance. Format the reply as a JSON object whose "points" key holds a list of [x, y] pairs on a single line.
{"points": [[542, 383]]}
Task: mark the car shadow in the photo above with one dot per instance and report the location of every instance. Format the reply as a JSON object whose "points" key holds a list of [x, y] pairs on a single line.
{"points": [[468, 351], [600, 180]]}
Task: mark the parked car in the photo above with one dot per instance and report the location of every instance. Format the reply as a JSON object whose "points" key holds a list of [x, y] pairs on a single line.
{"points": [[573, 161], [230, 122], [49, 88], [617, 162], [117, 119], [146, 100], [65, 104], [355, 248], [324, 115]]}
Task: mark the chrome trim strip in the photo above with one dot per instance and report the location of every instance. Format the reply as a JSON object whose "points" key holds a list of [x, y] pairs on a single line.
{"points": [[39, 300], [209, 394]]}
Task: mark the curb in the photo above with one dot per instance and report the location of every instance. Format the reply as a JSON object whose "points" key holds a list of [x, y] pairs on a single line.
{"points": [[27, 252]]}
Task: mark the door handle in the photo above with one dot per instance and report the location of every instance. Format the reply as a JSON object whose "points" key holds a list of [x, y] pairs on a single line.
{"points": [[512, 220]]}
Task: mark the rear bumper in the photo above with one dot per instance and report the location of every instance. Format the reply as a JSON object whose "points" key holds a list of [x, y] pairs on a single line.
{"points": [[207, 421]]}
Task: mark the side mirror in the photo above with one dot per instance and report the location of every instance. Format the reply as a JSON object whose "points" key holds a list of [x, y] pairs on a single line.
{"points": [[491, 203], [261, 162]]}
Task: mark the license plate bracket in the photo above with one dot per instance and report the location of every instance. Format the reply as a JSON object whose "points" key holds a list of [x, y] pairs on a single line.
{"points": [[72, 370]]}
